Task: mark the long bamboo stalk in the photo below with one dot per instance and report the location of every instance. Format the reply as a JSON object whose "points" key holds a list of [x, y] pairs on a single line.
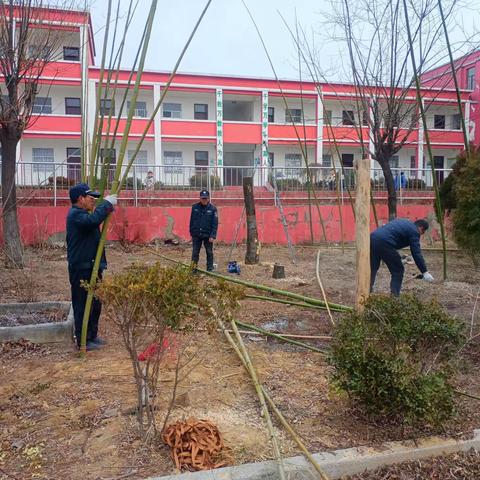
{"points": [[278, 336], [118, 183], [277, 412], [257, 286], [258, 388], [438, 202], [285, 302], [96, 265], [320, 283]]}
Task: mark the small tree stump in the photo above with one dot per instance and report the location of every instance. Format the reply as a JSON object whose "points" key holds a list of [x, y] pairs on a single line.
{"points": [[278, 271]]}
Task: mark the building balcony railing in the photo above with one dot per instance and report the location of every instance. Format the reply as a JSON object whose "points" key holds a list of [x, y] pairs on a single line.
{"points": [[51, 125], [51, 181], [188, 129]]}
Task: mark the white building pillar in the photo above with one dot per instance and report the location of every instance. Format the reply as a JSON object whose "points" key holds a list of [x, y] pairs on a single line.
{"points": [[157, 131], [90, 115], [421, 147], [320, 112], [470, 127]]}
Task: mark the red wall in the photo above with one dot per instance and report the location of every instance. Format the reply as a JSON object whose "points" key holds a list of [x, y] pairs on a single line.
{"points": [[143, 224]]}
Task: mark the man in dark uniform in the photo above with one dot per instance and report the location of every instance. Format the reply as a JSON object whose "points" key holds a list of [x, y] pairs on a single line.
{"points": [[203, 228], [384, 243], [83, 236]]}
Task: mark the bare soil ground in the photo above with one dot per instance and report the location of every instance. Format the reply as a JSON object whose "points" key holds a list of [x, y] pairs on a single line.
{"points": [[66, 417]]}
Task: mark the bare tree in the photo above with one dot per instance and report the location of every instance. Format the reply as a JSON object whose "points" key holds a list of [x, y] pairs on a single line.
{"points": [[379, 68], [27, 45]]}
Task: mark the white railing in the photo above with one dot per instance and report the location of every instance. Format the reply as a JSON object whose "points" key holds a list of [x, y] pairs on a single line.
{"points": [[52, 180]]}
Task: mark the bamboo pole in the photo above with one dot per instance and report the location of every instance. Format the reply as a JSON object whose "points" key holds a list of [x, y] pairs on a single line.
{"points": [[101, 246], [438, 202], [279, 337], [118, 184], [277, 412], [317, 271], [259, 389], [257, 286], [285, 302], [362, 232]]}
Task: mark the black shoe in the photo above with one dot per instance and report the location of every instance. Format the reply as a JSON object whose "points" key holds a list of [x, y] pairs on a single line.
{"points": [[90, 346], [99, 341]]}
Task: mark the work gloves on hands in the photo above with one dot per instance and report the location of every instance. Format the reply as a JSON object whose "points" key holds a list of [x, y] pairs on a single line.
{"points": [[428, 277], [113, 199]]}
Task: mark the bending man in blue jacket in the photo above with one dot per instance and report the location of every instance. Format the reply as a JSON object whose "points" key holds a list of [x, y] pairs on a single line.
{"points": [[83, 236], [384, 243], [203, 228]]}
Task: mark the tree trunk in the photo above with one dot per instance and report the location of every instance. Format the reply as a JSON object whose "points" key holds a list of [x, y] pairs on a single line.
{"points": [[392, 194], [11, 232], [251, 256]]}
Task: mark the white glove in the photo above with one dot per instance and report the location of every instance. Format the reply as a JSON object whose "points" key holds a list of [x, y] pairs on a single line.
{"points": [[427, 277], [113, 199]]}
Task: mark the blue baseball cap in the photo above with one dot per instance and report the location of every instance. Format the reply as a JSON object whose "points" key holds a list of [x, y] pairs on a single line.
{"points": [[82, 190], [204, 194]]}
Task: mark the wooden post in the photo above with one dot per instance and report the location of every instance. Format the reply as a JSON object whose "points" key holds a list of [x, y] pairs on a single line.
{"points": [[253, 246], [362, 231]]}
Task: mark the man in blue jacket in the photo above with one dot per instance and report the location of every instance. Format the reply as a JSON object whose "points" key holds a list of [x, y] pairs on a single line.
{"points": [[83, 236], [203, 228], [384, 243]]}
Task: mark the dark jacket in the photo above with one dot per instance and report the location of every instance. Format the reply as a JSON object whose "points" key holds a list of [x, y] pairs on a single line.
{"points": [[204, 221], [83, 236], [401, 233]]}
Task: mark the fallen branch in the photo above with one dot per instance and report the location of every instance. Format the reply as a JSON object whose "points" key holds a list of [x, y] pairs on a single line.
{"points": [[317, 271], [285, 302], [279, 337]]}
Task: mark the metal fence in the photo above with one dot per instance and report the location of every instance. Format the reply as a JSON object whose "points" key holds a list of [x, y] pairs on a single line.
{"points": [[52, 180]]}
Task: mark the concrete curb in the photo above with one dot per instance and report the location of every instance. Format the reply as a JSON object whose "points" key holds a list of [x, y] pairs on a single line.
{"points": [[42, 332], [339, 462]]}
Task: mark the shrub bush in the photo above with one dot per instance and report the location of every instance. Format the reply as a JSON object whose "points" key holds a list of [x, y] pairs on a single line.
{"points": [[130, 185], [466, 218], [397, 359], [285, 184], [62, 182], [200, 180]]}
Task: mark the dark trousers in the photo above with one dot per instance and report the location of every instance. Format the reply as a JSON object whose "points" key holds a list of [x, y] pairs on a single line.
{"points": [[383, 251], [79, 298], [197, 245]]}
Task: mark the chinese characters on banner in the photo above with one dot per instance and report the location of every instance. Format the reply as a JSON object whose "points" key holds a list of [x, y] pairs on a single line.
{"points": [[264, 128], [219, 127]]}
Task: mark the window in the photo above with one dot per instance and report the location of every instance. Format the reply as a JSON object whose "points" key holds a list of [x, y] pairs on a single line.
{"points": [[42, 105], [200, 111], [347, 117], [413, 162], [365, 118], [327, 117], [439, 121], [140, 109], [71, 54], [72, 106], [271, 159], [40, 52], [140, 162], [456, 123], [471, 78], [395, 161], [173, 161], [293, 115], [107, 107], [41, 158], [172, 110], [326, 160], [110, 153], [74, 168], [271, 114], [347, 159], [292, 163], [201, 161]]}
